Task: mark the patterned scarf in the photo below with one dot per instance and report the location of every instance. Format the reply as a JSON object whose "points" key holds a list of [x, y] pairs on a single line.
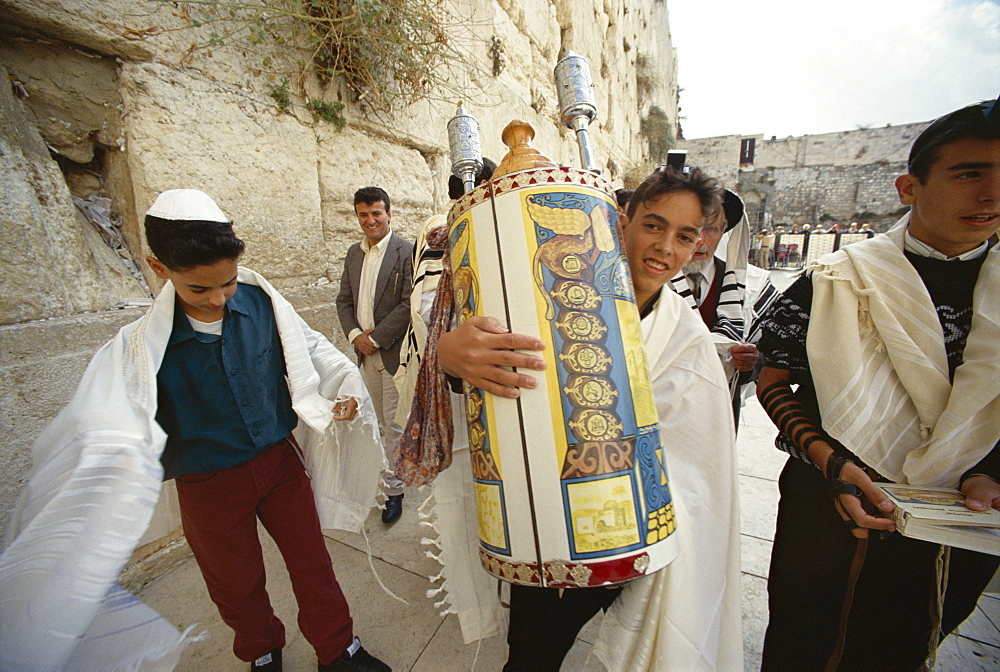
{"points": [[424, 449]]}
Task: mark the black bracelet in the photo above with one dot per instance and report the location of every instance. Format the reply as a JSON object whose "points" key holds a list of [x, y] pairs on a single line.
{"points": [[835, 464], [841, 487]]}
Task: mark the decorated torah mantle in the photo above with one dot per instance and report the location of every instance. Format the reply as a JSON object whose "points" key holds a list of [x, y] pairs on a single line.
{"points": [[570, 479]]}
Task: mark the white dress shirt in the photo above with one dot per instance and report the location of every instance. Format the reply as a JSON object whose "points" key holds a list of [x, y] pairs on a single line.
{"points": [[911, 244], [365, 310]]}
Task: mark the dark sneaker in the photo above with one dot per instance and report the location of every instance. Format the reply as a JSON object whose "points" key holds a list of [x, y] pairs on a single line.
{"points": [[359, 661], [267, 663]]}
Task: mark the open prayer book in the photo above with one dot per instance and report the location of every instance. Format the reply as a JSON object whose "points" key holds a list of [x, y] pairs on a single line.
{"points": [[939, 515]]}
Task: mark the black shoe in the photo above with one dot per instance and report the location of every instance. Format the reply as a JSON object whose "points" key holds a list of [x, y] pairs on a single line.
{"points": [[393, 509], [272, 665], [361, 661]]}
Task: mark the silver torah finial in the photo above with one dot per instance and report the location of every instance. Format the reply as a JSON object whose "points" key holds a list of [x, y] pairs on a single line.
{"points": [[577, 107], [466, 153]]}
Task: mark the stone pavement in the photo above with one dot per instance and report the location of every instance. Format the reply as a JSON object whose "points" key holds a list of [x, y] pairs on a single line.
{"points": [[415, 637]]}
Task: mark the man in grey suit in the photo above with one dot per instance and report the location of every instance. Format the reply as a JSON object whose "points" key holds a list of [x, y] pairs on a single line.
{"points": [[374, 310]]}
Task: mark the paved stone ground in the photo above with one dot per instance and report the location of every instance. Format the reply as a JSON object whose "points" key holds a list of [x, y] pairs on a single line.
{"points": [[415, 637]]}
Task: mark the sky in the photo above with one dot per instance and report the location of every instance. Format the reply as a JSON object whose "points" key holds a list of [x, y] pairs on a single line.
{"points": [[796, 67]]}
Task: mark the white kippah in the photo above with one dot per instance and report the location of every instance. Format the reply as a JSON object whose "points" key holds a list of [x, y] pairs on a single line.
{"points": [[187, 204]]}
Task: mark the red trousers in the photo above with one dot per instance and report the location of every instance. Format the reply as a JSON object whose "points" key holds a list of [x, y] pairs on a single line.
{"points": [[219, 511]]}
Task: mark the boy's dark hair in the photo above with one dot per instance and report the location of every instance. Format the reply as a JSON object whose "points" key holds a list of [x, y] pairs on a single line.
{"points": [[981, 120], [372, 195], [667, 179], [184, 243], [623, 196], [456, 188]]}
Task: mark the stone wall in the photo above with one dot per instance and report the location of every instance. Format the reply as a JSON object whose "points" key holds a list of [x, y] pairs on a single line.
{"points": [[845, 176], [107, 98]]}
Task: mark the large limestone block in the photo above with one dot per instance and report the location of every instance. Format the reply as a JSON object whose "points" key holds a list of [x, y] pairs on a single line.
{"points": [[70, 92], [536, 19], [40, 365], [349, 160], [53, 262], [185, 131], [100, 25]]}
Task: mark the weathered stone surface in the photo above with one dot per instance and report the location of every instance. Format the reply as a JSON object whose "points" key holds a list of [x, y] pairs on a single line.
{"points": [[185, 131], [349, 160], [51, 264], [93, 24], [70, 92]]}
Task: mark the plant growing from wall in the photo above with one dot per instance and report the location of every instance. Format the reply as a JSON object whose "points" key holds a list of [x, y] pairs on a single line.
{"points": [[326, 111], [282, 96], [659, 134], [388, 53]]}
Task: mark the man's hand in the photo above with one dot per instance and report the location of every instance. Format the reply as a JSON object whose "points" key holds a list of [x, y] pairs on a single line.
{"points": [[981, 493], [744, 356], [478, 350], [852, 507], [345, 409], [363, 343]]}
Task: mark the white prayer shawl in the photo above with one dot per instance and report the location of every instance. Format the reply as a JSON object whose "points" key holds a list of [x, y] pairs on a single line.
{"points": [[96, 479], [686, 616], [878, 361], [465, 589]]}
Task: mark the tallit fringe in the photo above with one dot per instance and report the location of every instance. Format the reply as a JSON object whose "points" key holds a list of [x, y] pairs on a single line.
{"points": [[426, 513], [371, 565]]}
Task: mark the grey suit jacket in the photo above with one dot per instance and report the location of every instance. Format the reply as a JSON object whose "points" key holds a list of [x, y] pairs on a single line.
{"points": [[392, 297]]}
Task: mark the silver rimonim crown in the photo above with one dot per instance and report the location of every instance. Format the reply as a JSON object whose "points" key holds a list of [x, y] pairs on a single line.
{"points": [[466, 153], [577, 107]]}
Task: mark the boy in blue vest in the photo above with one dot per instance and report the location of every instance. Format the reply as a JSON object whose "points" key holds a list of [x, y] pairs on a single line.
{"points": [[228, 413]]}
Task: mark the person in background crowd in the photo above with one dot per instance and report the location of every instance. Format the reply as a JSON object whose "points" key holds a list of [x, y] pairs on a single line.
{"points": [[764, 252], [374, 310], [623, 196], [730, 296]]}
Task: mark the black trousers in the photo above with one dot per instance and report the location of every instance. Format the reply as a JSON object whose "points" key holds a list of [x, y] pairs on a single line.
{"points": [[544, 625], [889, 620]]}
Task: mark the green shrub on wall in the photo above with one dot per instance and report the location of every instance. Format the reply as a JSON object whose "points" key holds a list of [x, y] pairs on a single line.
{"points": [[659, 134], [388, 53]]}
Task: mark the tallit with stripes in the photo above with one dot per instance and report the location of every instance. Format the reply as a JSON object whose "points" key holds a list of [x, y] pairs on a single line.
{"points": [[877, 355], [426, 274], [744, 297]]}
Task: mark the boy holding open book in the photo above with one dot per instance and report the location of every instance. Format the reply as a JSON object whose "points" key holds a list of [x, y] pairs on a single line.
{"points": [[893, 345]]}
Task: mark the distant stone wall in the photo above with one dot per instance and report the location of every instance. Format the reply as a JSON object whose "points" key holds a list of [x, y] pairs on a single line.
{"points": [[91, 110], [845, 176]]}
